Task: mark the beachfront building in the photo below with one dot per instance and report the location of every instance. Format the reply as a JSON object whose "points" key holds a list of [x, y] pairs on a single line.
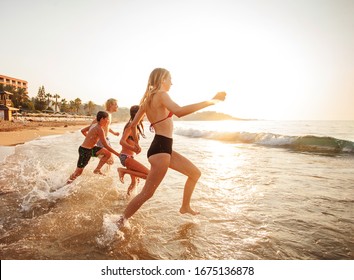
{"points": [[16, 83], [6, 109]]}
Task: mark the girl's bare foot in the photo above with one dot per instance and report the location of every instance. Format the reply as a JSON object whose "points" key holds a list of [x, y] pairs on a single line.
{"points": [[120, 222], [110, 161], [121, 174], [130, 189], [98, 172], [188, 210]]}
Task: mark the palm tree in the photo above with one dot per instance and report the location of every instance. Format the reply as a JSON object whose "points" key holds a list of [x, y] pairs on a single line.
{"points": [[71, 106], [90, 107], [18, 97], [77, 104], [64, 106], [56, 96], [23, 95], [48, 96]]}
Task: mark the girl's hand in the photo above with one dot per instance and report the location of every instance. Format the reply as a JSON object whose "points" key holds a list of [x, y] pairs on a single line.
{"points": [[137, 149], [113, 132], [220, 96]]}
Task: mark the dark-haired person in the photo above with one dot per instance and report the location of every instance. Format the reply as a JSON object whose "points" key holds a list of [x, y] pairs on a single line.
{"points": [[90, 149], [134, 168]]}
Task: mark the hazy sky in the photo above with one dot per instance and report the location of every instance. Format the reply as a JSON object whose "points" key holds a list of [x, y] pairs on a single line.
{"points": [[276, 59]]}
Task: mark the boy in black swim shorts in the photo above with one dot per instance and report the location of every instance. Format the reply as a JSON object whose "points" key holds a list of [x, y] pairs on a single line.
{"points": [[89, 149]]}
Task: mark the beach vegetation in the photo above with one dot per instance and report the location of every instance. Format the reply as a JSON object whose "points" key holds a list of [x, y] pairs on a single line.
{"points": [[48, 96], [90, 108], [64, 106], [56, 103], [45, 102], [76, 104], [40, 102], [19, 97]]}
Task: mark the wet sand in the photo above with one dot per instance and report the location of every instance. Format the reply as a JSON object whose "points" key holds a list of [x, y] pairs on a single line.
{"points": [[14, 133]]}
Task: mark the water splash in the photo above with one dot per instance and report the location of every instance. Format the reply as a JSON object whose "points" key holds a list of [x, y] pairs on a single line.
{"points": [[110, 231]]}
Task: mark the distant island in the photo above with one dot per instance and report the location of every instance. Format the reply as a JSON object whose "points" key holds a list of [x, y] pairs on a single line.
{"points": [[209, 116]]}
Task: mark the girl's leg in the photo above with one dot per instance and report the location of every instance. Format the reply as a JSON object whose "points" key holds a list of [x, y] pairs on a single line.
{"points": [[135, 165], [141, 170], [123, 171], [134, 168], [186, 167], [132, 185], [133, 175], [159, 166]]}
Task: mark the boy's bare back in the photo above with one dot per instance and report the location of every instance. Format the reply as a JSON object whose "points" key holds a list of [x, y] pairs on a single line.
{"points": [[93, 135]]}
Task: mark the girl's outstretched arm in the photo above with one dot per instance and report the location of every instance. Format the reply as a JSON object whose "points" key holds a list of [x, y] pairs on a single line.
{"points": [[113, 132], [181, 111]]}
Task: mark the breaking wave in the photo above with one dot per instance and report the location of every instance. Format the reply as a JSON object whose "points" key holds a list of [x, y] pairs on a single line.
{"points": [[307, 143]]}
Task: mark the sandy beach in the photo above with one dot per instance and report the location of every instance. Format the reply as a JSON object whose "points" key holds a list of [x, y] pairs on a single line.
{"points": [[19, 132]]}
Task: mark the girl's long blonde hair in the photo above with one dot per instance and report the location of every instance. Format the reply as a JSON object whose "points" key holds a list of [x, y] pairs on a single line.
{"points": [[154, 85]]}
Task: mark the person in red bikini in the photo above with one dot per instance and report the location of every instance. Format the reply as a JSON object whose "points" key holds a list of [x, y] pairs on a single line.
{"points": [[158, 106]]}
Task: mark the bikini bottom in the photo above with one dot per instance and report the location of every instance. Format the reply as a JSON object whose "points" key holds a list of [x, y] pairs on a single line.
{"points": [[123, 158], [160, 144]]}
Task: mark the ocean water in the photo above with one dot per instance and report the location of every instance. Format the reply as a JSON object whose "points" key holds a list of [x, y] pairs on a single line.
{"points": [[269, 190]]}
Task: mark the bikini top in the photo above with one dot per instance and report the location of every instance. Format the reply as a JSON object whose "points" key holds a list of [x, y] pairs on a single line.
{"points": [[170, 114]]}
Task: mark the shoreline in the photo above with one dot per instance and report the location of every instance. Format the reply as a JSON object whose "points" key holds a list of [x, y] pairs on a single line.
{"points": [[16, 133]]}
